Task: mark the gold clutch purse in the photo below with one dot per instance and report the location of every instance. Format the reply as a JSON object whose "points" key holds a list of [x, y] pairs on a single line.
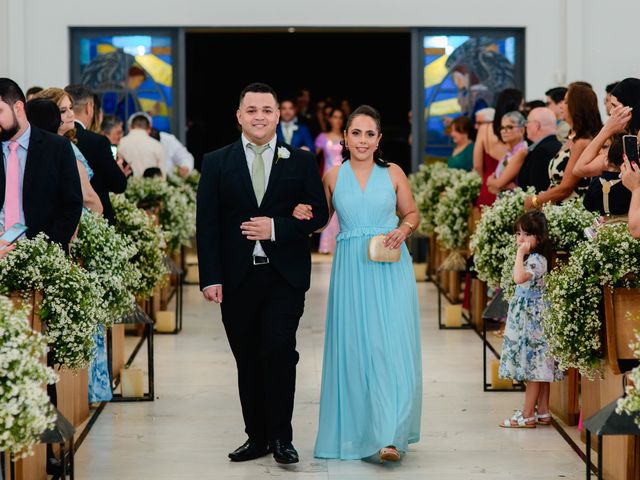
{"points": [[379, 253]]}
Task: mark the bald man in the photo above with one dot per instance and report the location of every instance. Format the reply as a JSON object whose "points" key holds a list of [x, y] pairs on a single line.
{"points": [[541, 130]]}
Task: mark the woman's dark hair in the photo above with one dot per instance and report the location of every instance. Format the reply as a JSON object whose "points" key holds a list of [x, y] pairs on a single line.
{"points": [[509, 100], [535, 223], [331, 112], [43, 114], [372, 113], [556, 94], [628, 94], [614, 155], [463, 125], [582, 108]]}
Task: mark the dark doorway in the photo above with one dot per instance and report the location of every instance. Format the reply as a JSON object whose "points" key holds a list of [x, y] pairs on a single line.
{"points": [[362, 67]]}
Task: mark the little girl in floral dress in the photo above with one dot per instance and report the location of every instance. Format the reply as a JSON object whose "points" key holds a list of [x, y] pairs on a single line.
{"points": [[524, 349]]}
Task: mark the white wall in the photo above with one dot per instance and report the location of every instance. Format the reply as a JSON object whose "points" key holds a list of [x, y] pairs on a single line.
{"points": [[566, 40]]}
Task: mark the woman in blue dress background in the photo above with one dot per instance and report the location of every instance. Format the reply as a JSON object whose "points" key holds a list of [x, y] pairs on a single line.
{"points": [[370, 403]]}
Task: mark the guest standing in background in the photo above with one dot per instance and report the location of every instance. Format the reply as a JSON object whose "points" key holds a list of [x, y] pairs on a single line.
{"points": [[582, 114], [489, 148], [290, 131], [329, 144], [111, 128], [512, 134], [108, 176], [140, 149], [462, 155], [555, 102]]}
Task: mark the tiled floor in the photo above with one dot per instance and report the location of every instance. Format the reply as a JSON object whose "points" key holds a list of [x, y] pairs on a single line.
{"points": [[195, 421]]}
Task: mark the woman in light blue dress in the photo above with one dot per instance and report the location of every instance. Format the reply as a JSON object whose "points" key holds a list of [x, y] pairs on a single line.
{"points": [[370, 404]]}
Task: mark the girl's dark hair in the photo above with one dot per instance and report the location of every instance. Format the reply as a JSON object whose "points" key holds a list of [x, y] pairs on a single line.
{"points": [[582, 107], [614, 155], [628, 94], [44, 114], [331, 112], [509, 100], [372, 113], [535, 223]]}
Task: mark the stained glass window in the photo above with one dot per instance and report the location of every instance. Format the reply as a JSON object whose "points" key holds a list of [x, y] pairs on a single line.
{"points": [[131, 73], [462, 74]]}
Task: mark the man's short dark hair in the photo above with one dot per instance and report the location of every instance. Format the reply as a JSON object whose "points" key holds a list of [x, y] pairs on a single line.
{"points": [[10, 92], [140, 121], [80, 94], [33, 91], [109, 122], [258, 88], [609, 88], [556, 94]]}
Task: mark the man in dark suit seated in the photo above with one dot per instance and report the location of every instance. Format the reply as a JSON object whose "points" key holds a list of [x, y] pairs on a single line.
{"points": [[108, 176], [290, 131], [39, 181]]}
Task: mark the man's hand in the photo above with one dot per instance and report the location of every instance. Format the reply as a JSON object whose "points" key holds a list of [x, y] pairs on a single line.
{"points": [[5, 247], [257, 228], [213, 294]]}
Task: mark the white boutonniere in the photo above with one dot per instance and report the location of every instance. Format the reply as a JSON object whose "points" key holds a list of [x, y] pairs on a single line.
{"points": [[283, 152]]}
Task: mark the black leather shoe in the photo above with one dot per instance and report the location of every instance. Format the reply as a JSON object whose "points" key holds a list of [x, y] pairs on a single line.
{"points": [[249, 451], [283, 452]]}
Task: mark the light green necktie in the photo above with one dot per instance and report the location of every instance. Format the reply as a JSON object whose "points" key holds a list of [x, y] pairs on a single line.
{"points": [[257, 171]]}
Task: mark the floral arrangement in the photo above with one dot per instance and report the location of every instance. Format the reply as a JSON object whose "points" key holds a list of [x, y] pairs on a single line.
{"points": [[452, 215], [71, 304], [25, 410], [427, 184], [567, 222], [106, 255], [573, 292], [147, 238], [494, 233], [176, 209], [630, 403]]}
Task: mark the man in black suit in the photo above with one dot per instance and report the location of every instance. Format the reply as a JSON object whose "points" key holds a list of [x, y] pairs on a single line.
{"points": [[39, 181], [541, 130], [108, 176], [250, 245]]}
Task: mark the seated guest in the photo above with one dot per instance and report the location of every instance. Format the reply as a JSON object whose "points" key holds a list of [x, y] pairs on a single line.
{"points": [[606, 194], [484, 116], [630, 173], [48, 197], [555, 102], [176, 154], [140, 149], [531, 166], [607, 97], [290, 131], [462, 156], [31, 92], [530, 105], [45, 114], [108, 176]]}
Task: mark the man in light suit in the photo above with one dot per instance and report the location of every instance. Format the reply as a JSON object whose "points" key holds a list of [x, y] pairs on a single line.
{"points": [[291, 132], [251, 248]]}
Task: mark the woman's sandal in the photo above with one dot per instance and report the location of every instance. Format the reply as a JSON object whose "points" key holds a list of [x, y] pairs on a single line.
{"points": [[518, 421], [389, 454], [544, 419]]}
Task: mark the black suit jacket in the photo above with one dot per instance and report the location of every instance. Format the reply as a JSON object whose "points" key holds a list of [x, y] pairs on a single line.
{"points": [[226, 199], [51, 192], [107, 176], [535, 169]]}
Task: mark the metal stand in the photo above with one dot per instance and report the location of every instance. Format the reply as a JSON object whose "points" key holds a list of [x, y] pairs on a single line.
{"points": [[138, 316], [178, 274], [496, 309], [61, 433]]}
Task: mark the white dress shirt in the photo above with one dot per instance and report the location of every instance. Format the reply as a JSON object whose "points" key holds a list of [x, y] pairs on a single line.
{"points": [[142, 151], [175, 153], [267, 157]]}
